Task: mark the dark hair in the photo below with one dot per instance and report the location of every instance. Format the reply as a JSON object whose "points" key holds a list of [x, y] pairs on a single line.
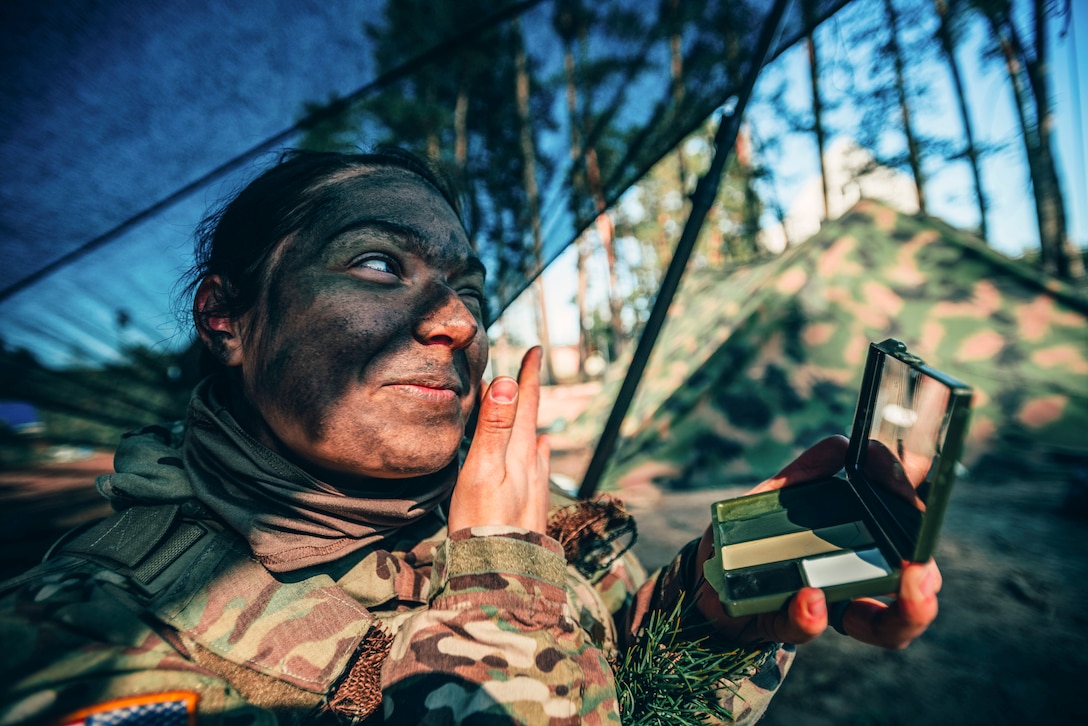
{"points": [[236, 240]]}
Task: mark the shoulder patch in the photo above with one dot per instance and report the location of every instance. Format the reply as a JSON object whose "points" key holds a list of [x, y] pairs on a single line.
{"points": [[173, 708]]}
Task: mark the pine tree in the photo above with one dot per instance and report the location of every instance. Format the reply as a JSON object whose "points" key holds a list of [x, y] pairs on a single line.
{"points": [[1028, 71]]}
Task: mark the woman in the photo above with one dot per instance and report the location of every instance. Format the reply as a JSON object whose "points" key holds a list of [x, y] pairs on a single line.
{"points": [[305, 547]]}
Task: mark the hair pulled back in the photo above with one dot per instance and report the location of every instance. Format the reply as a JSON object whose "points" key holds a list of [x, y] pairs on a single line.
{"points": [[236, 241]]}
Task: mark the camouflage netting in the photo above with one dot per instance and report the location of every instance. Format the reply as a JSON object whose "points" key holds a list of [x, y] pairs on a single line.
{"points": [[756, 364]]}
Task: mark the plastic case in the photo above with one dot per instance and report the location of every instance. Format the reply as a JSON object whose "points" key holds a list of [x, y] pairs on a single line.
{"points": [[850, 536]]}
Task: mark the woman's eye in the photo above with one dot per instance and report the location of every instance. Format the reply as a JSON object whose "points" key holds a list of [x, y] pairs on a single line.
{"points": [[473, 296], [378, 263]]}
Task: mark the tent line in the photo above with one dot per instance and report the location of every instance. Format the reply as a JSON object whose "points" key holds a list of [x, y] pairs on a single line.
{"points": [[706, 191]]}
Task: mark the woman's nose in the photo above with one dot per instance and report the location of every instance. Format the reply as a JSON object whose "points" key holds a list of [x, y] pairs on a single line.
{"points": [[447, 321]]}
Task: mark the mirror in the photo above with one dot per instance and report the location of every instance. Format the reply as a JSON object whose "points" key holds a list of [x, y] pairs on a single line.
{"points": [[902, 434], [906, 430]]}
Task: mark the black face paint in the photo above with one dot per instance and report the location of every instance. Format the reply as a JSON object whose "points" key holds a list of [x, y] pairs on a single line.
{"points": [[365, 353]]}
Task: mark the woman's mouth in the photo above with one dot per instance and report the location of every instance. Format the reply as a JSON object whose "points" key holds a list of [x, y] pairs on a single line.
{"points": [[426, 391]]}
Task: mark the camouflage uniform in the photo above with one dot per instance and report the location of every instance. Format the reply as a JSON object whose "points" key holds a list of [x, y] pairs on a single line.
{"points": [[162, 604]]}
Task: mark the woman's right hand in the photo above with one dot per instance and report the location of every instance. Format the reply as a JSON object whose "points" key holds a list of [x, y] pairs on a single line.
{"points": [[504, 480], [805, 616]]}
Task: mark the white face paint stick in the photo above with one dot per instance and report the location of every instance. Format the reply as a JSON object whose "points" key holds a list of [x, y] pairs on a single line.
{"points": [[839, 569]]}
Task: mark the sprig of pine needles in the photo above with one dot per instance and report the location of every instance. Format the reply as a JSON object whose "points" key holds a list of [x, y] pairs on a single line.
{"points": [[671, 678]]}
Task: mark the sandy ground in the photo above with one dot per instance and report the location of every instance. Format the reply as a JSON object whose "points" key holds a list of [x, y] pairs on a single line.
{"points": [[1010, 645]]}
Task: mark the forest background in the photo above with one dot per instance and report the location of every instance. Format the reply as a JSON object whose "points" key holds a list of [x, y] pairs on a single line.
{"points": [[965, 110]]}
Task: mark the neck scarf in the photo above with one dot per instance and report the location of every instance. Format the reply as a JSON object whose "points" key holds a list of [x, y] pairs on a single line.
{"points": [[291, 519]]}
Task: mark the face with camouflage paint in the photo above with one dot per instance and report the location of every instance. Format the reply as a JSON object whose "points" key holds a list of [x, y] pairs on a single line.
{"points": [[364, 355]]}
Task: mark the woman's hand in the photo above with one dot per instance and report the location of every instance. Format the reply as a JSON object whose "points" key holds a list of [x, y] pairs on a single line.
{"points": [[805, 616], [505, 476]]}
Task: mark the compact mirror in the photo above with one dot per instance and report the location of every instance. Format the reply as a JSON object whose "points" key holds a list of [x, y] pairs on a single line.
{"points": [[849, 536]]}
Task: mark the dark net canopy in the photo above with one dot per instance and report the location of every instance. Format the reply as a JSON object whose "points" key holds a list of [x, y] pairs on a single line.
{"points": [[124, 122]]}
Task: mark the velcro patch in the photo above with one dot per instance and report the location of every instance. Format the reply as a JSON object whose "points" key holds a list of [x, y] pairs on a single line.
{"points": [[173, 708]]}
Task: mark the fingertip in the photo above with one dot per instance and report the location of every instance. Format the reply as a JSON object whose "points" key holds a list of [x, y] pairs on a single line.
{"points": [[838, 441], [919, 582], [916, 607], [932, 579], [829, 451], [823, 459], [813, 608], [534, 356], [807, 614], [503, 390]]}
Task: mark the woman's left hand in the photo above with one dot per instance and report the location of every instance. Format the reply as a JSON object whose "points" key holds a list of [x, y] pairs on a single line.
{"points": [[504, 480], [805, 617]]}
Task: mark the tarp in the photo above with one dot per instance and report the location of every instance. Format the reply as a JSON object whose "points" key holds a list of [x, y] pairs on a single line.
{"points": [[122, 122], [757, 363]]}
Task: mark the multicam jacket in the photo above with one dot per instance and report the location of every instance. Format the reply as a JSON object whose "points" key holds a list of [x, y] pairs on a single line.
{"points": [[162, 612]]}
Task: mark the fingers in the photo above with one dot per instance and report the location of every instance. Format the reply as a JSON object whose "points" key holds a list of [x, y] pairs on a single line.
{"points": [[524, 436], [539, 496], [504, 480], [496, 421], [484, 470], [896, 625], [807, 615], [802, 620], [822, 460], [537, 449]]}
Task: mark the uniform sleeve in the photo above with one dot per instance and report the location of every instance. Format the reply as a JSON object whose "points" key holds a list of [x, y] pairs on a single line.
{"points": [[745, 697], [499, 639]]}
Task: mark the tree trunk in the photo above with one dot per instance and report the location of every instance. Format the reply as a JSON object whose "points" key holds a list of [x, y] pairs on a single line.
{"points": [[676, 81], [580, 301], [944, 34], [460, 130], [1068, 264], [817, 103], [606, 233], [914, 153], [532, 195], [575, 156], [434, 147], [1029, 86]]}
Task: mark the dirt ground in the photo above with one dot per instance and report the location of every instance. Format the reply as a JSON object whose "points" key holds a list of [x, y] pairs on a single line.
{"points": [[38, 506], [1010, 645]]}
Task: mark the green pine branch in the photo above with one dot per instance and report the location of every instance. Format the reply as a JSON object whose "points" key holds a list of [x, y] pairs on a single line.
{"points": [[670, 677]]}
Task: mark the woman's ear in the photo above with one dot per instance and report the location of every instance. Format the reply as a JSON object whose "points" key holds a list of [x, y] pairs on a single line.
{"points": [[217, 328]]}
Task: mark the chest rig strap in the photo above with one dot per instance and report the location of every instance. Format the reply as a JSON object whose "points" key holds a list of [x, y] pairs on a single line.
{"points": [[232, 614]]}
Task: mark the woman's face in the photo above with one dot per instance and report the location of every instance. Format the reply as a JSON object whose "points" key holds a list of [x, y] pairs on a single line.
{"points": [[364, 355]]}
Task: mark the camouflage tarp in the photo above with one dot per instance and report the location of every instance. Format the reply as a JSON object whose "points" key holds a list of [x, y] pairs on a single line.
{"points": [[758, 363]]}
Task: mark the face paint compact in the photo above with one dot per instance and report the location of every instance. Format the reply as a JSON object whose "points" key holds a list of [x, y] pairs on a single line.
{"points": [[850, 536]]}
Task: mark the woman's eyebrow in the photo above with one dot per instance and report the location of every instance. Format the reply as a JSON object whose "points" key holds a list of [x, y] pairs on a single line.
{"points": [[474, 266], [412, 240]]}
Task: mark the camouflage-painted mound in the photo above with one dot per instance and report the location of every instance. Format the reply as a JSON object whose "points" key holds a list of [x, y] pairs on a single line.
{"points": [[757, 364]]}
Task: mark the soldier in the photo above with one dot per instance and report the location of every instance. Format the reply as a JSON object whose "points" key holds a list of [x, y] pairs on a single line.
{"points": [[305, 547]]}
